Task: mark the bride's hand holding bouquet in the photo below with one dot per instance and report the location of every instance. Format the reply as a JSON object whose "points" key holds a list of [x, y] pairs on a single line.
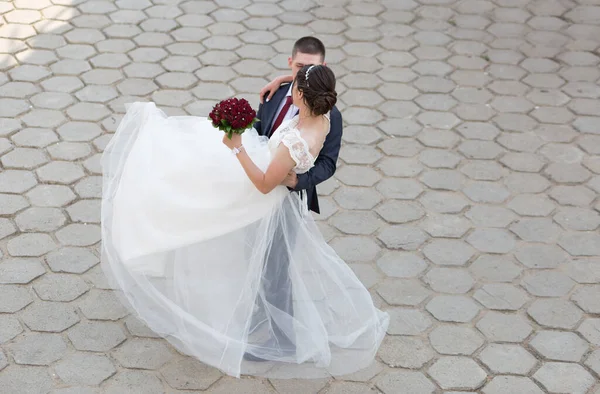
{"points": [[233, 116]]}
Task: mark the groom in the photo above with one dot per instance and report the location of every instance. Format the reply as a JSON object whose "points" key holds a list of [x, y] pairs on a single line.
{"points": [[276, 108], [273, 112]]}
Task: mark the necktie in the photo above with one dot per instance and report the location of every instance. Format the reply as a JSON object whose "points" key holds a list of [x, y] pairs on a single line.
{"points": [[284, 110]]}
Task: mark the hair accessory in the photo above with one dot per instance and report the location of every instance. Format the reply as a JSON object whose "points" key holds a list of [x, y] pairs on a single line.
{"points": [[307, 74]]}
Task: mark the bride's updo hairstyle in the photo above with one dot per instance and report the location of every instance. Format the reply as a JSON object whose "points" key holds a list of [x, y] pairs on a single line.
{"points": [[317, 84]]}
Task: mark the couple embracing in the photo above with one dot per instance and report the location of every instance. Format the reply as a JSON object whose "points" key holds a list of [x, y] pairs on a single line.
{"points": [[211, 243]]}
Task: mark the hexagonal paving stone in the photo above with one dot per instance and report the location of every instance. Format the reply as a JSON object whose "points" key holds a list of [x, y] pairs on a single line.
{"points": [[14, 298], [189, 374], [586, 297], [572, 195], [567, 173], [30, 244], [34, 137], [581, 243], [102, 305], [455, 340], [142, 354], [483, 170], [6, 228], [448, 252], [40, 219], [357, 198], [507, 359], [89, 187], [593, 361], [351, 222], [50, 195], [360, 154], [355, 248], [69, 151], [399, 211], [134, 381], [407, 321], [401, 264], [9, 328], [504, 327], [480, 149], [578, 219], [86, 211], [85, 369], [60, 287], [547, 283], [559, 346], [526, 183], [446, 226], [486, 192], [511, 385], [492, 240], [495, 268], [449, 280], [555, 313], [403, 147], [531, 205], [38, 349], [412, 382], [584, 270], [60, 172], [24, 158], [137, 328], [501, 296], [50, 316], [443, 179], [525, 162], [541, 256], [490, 216], [402, 292], [79, 234], [564, 377], [96, 336], [457, 373], [71, 260], [538, 230], [20, 271], [405, 352], [409, 189], [99, 279], [402, 237], [79, 131], [453, 308], [16, 181], [19, 378]]}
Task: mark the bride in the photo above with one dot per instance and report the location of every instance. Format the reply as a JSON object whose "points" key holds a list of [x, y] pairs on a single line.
{"points": [[215, 256]]}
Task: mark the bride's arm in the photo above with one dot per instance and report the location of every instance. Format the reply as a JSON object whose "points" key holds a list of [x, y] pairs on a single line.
{"points": [[281, 164]]}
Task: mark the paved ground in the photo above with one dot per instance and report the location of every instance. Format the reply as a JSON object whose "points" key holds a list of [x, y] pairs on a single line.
{"points": [[466, 198]]}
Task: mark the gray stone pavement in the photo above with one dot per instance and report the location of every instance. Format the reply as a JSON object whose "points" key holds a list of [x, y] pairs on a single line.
{"points": [[466, 196]]}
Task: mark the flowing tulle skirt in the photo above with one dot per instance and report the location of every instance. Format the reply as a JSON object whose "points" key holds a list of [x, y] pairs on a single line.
{"points": [[220, 269]]}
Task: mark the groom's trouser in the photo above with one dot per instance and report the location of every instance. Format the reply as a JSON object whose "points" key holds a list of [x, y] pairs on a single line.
{"points": [[277, 280]]}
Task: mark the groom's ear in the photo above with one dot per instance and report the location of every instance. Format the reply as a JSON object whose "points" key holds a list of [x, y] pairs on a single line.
{"points": [[290, 61], [324, 63]]}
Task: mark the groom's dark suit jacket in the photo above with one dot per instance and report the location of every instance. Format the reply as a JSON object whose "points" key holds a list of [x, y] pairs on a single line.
{"points": [[325, 163]]}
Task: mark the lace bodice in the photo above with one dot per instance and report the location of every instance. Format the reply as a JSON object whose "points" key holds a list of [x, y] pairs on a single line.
{"points": [[289, 135]]}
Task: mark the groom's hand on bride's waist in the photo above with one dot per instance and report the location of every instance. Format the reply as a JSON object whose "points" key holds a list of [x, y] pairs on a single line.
{"points": [[291, 180]]}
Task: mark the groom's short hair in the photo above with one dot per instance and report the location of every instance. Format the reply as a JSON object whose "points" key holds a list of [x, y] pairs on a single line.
{"points": [[309, 45]]}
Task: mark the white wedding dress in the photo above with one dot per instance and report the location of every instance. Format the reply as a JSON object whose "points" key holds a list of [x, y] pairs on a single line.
{"points": [[186, 237]]}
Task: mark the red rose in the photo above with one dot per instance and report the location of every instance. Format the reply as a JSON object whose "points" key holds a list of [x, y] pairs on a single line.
{"points": [[233, 115]]}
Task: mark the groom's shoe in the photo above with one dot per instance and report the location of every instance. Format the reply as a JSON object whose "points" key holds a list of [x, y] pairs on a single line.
{"points": [[289, 349], [253, 358]]}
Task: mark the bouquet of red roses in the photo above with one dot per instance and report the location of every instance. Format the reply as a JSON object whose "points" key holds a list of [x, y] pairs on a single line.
{"points": [[233, 116]]}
